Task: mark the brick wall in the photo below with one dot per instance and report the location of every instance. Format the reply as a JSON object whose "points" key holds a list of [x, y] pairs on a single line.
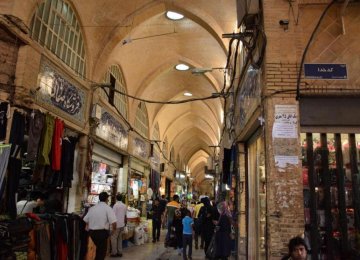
{"points": [[282, 61], [8, 57]]}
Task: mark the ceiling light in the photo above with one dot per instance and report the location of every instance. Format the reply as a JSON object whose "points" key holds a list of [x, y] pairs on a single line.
{"points": [[182, 67], [174, 16], [187, 94]]}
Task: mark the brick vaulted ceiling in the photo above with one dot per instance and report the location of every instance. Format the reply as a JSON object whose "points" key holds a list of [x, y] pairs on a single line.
{"points": [[148, 61]]}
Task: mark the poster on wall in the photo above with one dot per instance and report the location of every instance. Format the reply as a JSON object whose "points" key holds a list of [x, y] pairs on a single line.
{"points": [[285, 137], [113, 131], [59, 93], [286, 122]]}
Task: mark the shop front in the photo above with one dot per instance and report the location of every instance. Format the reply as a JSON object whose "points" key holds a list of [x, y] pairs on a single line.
{"points": [[109, 160], [139, 174], [247, 187], [43, 140], [330, 145]]}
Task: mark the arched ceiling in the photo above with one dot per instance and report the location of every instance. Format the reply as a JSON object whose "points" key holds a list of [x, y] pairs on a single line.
{"points": [[155, 45]]}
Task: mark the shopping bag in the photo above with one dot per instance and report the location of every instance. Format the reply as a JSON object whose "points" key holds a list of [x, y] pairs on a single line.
{"points": [[126, 230], [211, 251]]}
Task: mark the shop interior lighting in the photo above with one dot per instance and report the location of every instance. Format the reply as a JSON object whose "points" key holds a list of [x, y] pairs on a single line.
{"points": [[188, 94], [182, 67], [174, 15], [209, 176]]}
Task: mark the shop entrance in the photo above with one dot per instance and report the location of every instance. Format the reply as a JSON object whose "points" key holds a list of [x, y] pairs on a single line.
{"points": [[256, 202], [330, 167]]}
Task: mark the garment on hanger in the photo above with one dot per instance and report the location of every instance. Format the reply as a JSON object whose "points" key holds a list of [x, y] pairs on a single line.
{"points": [[14, 166], [56, 144], [67, 160], [3, 119], [46, 141], [36, 124], [4, 159]]}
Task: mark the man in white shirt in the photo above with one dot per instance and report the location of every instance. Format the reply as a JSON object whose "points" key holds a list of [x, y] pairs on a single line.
{"points": [[98, 221], [120, 210]]}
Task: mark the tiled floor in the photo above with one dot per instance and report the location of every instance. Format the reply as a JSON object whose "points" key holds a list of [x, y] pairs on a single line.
{"points": [[155, 251]]}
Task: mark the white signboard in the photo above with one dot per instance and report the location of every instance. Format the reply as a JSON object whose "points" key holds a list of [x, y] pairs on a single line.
{"points": [[286, 122], [283, 161]]}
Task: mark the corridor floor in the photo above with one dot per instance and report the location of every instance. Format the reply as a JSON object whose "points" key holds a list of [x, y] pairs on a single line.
{"points": [[155, 251]]}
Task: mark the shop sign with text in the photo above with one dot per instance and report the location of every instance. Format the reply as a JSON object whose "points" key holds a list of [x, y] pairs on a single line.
{"points": [[57, 92], [113, 131]]}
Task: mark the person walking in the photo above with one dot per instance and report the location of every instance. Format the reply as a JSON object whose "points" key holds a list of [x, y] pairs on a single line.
{"points": [[197, 226], [98, 221], [222, 236], [188, 225], [120, 210], [207, 216], [170, 213], [156, 219]]}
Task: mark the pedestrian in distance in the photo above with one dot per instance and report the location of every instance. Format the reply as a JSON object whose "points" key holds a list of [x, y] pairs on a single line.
{"points": [[170, 214], [188, 226], [157, 212], [120, 210], [98, 221]]}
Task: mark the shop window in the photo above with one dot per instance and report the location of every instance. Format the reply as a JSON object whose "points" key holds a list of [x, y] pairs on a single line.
{"points": [[115, 77], [142, 120], [55, 26], [330, 168], [256, 188], [103, 178]]}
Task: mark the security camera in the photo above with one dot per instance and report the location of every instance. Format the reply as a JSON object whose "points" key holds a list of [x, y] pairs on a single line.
{"points": [[284, 22]]}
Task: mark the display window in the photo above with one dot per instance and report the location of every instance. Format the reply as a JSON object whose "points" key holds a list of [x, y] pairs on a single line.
{"points": [[330, 169], [256, 187], [103, 179]]}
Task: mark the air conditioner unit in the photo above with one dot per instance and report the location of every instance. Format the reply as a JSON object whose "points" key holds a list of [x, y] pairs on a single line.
{"points": [[96, 111]]}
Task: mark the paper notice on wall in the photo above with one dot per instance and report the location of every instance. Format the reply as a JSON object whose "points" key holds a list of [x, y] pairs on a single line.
{"points": [[284, 161], [286, 122]]}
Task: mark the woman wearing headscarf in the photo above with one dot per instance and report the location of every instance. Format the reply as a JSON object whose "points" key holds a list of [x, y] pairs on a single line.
{"points": [[222, 237], [207, 216], [177, 224]]}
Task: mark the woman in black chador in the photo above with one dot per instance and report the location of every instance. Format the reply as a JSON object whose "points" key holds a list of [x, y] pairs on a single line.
{"points": [[222, 237]]}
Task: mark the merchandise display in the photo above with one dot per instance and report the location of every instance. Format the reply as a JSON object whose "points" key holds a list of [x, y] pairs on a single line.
{"points": [[329, 171], [102, 179]]}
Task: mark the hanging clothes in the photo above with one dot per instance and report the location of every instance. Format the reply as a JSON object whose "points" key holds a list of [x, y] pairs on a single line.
{"points": [[57, 144], [46, 141], [4, 112], [4, 159], [226, 165], [36, 125], [14, 166], [67, 160]]}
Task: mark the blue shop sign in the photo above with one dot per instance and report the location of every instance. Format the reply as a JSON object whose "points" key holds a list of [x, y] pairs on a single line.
{"points": [[325, 71]]}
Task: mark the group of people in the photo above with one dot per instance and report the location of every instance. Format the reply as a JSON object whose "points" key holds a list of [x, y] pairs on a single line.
{"points": [[103, 221], [206, 221]]}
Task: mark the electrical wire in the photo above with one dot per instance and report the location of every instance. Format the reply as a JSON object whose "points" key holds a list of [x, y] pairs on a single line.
{"points": [[215, 95], [308, 45], [135, 131]]}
